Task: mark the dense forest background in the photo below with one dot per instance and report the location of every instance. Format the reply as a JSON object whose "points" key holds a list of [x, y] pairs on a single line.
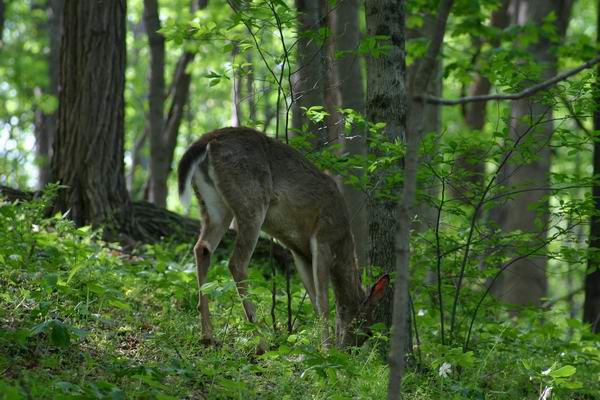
{"points": [[462, 135]]}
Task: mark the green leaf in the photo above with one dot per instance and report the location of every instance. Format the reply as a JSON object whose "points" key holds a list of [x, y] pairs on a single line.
{"points": [[9, 392], [119, 304], [209, 287], [161, 396], [59, 334], [74, 271], [292, 338], [52, 280], [39, 328], [414, 21], [563, 372], [573, 385], [80, 333]]}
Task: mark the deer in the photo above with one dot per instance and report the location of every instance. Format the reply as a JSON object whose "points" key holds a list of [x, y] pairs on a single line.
{"points": [[243, 176]]}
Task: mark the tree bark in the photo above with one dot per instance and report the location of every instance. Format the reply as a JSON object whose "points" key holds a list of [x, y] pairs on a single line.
{"points": [[236, 88], [471, 163], [43, 142], [418, 82], [525, 282], [591, 303], [308, 76], [385, 103], [178, 92], [347, 32], [156, 101], [140, 161], [331, 90], [45, 122], [432, 118], [88, 150], [250, 92]]}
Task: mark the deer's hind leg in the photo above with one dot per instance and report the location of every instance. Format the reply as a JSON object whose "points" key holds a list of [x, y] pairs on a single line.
{"points": [[216, 218]]}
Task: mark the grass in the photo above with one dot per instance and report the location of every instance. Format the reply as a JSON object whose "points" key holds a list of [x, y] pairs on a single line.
{"points": [[81, 319]]}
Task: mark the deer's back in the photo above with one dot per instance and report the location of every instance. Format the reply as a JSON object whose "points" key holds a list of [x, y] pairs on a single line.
{"points": [[300, 199]]}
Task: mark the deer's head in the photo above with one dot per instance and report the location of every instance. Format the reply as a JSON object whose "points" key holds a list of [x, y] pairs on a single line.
{"points": [[356, 329]]}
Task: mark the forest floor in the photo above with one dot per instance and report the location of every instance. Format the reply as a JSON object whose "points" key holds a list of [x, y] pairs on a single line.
{"points": [[81, 319]]}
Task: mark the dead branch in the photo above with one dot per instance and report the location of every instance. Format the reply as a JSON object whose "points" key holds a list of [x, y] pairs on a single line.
{"points": [[512, 96]]}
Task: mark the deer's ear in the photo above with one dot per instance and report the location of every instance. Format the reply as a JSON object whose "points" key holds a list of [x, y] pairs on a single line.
{"points": [[378, 290]]}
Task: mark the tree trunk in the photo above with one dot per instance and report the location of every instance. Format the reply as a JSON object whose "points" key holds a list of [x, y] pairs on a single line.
{"points": [[88, 150], [344, 90], [417, 83], [236, 88], [347, 33], [45, 123], [250, 92], [140, 161], [331, 89], [591, 304], [381, 21], [179, 90], [269, 112], [385, 103], [156, 101], [525, 282], [179, 94], [470, 163], [308, 75], [432, 117]]}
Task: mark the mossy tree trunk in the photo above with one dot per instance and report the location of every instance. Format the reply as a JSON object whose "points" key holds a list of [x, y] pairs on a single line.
{"points": [[385, 103]]}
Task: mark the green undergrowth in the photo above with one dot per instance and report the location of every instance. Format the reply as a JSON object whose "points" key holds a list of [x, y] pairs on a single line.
{"points": [[82, 319]]}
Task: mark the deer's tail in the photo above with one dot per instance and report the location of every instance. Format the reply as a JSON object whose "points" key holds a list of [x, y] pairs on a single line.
{"points": [[193, 156]]}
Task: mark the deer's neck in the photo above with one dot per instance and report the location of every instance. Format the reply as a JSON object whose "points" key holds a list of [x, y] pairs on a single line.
{"points": [[346, 279]]}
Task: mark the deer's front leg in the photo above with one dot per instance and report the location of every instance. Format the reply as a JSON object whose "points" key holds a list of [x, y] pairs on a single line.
{"points": [[247, 236], [305, 271], [322, 259]]}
